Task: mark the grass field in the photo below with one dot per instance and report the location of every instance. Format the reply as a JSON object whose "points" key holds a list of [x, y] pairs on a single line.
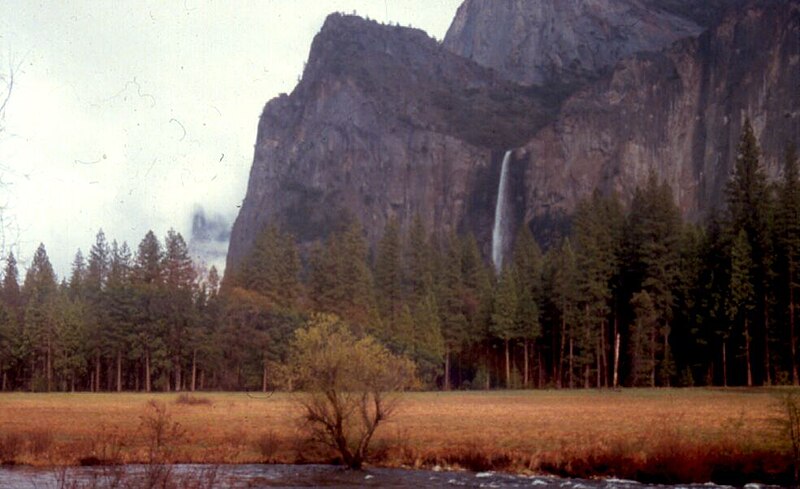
{"points": [[658, 435]]}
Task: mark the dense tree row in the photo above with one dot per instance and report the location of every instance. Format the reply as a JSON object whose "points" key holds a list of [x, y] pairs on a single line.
{"points": [[634, 298]]}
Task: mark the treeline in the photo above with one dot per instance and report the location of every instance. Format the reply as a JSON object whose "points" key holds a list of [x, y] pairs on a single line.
{"points": [[632, 298]]}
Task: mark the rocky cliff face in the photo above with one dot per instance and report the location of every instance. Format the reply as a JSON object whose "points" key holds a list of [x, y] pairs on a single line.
{"points": [[385, 123], [539, 42], [678, 113], [388, 123]]}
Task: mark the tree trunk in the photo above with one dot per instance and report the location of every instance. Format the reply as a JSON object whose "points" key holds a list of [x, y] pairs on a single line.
{"points": [[178, 380], [725, 363], [747, 353], [5, 381], [598, 364], [560, 370], [97, 372], [616, 358], [508, 366], [571, 379], [604, 353], [653, 356], [767, 367], [525, 380], [793, 338], [194, 369], [202, 380], [446, 369], [147, 382], [119, 371], [666, 355], [264, 376], [540, 377], [49, 364]]}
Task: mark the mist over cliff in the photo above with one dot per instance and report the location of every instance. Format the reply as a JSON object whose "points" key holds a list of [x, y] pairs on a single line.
{"points": [[389, 123]]}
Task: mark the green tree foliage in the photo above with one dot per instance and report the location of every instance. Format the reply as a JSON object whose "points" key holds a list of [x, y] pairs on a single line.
{"points": [[749, 202], [389, 278], [642, 340], [527, 270], [787, 233], [454, 323], [742, 293], [272, 269], [149, 341], [561, 290], [39, 293], [653, 241], [598, 232], [350, 385], [637, 297], [505, 321]]}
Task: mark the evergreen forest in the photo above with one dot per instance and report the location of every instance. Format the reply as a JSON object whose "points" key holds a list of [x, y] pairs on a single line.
{"points": [[628, 296]]}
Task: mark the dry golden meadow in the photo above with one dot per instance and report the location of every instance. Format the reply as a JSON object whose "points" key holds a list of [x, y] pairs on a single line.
{"points": [[659, 434]]}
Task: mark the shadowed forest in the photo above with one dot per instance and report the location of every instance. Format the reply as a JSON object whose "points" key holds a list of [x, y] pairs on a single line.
{"points": [[627, 297]]}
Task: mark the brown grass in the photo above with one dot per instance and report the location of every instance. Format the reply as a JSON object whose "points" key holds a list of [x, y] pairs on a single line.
{"points": [[190, 400], [652, 435]]}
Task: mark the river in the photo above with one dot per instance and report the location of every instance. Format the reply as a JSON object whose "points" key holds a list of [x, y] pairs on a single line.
{"points": [[291, 476]]}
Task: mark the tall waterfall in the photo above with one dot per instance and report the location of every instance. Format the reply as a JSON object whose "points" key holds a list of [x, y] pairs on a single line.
{"points": [[500, 216]]}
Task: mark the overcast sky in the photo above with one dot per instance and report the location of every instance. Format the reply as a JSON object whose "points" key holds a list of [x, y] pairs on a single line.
{"points": [[127, 116]]}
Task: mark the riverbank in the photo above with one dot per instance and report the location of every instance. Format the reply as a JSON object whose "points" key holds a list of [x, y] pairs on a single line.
{"points": [[651, 435]]}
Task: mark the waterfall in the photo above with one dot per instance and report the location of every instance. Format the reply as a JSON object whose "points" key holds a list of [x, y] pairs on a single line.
{"points": [[500, 216]]}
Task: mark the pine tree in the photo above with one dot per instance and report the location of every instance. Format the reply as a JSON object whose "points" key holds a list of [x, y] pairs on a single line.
{"points": [[641, 342], [504, 315], [272, 268], [598, 232], [94, 289], [39, 290], [653, 256], [742, 292], [561, 289], [749, 204], [419, 262], [12, 320], [148, 276], [428, 340], [78, 278], [179, 281], [455, 326], [70, 325], [119, 302], [389, 277], [527, 270], [788, 242]]}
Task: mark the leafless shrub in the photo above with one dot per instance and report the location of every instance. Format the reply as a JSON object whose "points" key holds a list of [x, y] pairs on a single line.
{"points": [[39, 441], [267, 445], [162, 434], [190, 400], [10, 447]]}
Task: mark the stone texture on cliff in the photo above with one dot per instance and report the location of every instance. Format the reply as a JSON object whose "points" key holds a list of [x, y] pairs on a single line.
{"points": [[388, 123], [384, 123], [678, 113], [541, 41]]}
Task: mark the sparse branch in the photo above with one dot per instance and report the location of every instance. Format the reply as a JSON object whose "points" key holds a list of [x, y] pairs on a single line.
{"points": [[346, 381]]}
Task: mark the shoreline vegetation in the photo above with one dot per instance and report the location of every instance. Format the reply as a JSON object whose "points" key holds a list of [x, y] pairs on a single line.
{"points": [[730, 436]]}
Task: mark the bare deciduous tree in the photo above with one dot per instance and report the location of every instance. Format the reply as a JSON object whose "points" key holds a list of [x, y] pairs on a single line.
{"points": [[350, 385]]}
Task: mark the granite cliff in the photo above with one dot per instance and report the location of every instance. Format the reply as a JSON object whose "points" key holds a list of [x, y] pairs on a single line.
{"points": [[386, 122]]}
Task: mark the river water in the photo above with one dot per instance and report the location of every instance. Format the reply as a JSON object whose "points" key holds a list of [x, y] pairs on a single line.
{"points": [[291, 476]]}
